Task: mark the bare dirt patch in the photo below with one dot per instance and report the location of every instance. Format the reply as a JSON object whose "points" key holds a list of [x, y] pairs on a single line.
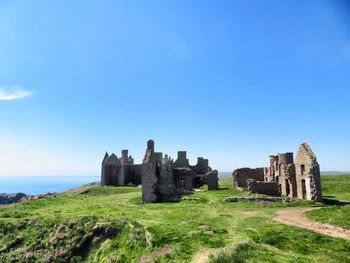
{"points": [[155, 254], [295, 217], [202, 256]]}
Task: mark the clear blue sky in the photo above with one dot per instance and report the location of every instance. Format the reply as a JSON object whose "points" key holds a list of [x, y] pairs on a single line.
{"points": [[233, 81]]}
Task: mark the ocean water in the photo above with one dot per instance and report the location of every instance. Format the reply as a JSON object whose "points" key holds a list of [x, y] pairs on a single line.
{"points": [[33, 185]]}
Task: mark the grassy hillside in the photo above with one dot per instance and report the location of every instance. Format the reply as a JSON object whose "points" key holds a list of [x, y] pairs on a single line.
{"points": [[334, 188], [110, 224]]}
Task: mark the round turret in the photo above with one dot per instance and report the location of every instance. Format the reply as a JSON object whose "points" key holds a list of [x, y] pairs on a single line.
{"points": [[285, 158]]}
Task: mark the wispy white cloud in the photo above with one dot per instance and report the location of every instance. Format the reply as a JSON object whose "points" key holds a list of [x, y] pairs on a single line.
{"points": [[13, 93]]}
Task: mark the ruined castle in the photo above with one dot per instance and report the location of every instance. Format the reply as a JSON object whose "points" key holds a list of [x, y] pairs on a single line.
{"points": [[164, 179], [300, 178], [161, 178]]}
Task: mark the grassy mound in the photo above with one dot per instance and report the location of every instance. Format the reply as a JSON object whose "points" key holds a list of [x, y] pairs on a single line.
{"points": [[65, 241]]}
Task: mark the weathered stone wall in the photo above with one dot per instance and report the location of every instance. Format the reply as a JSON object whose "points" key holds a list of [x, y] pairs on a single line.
{"points": [[285, 158], [166, 185], [183, 179], [149, 151], [240, 176], [110, 170], [181, 160], [285, 178], [136, 174], [149, 182], [267, 188], [202, 166], [212, 180], [308, 177], [149, 175], [124, 160], [123, 175], [103, 170], [158, 156]]}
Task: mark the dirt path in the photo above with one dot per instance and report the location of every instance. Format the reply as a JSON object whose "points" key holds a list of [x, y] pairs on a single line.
{"points": [[202, 256], [295, 217]]}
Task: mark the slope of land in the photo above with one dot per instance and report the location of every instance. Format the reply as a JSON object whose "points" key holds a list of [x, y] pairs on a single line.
{"points": [[295, 217], [110, 224], [334, 188]]}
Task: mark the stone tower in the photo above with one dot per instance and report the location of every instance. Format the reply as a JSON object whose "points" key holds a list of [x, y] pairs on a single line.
{"points": [[149, 174], [286, 178]]}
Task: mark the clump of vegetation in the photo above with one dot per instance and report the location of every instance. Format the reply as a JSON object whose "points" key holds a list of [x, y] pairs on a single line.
{"points": [[69, 240], [239, 253]]}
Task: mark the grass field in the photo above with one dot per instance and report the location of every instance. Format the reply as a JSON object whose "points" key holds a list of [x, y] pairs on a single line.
{"points": [[110, 224], [334, 188]]}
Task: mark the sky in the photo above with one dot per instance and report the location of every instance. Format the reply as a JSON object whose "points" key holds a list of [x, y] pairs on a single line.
{"points": [[232, 81]]}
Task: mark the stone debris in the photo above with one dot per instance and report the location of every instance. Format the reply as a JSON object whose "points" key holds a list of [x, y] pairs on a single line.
{"points": [[6, 199], [260, 199], [11, 198], [36, 197]]}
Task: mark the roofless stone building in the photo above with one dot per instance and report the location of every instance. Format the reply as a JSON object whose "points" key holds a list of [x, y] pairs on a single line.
{"points": [[161, 178], [300, 178]]}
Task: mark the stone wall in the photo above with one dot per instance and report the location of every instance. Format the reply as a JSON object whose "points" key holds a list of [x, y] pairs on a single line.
{"points": [[183, 179], [149, 183], [212, 180], [202, 166], [308, 177], [181, 160], [266, 188], [136, 174], [166, 178], [240, 176]]}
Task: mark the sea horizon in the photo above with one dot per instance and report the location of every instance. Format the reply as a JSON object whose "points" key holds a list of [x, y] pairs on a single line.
{"points": [[42, 184]]}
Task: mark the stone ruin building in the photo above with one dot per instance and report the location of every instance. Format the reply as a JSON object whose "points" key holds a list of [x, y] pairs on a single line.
{"points": [[300, 178], [161, 178]]}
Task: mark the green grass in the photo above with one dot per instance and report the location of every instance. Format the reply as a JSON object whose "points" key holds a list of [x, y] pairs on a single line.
{"points": [[334, 188], [271, 242], [337, 215], [110, 224], [300, 245]]}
